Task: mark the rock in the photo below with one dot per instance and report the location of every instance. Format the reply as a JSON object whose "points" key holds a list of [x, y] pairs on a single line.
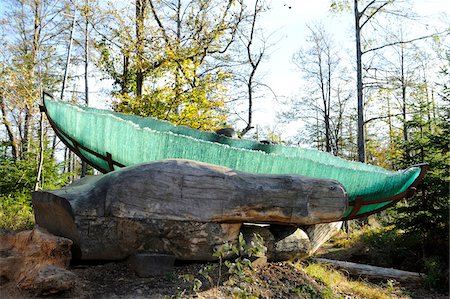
{"points": [[259, 261], [36, 260], [178, 207], [48, 279], [249, 230], [281, 231]]}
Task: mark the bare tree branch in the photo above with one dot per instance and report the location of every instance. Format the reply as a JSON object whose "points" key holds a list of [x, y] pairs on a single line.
{"points": [[374, 13], [362, 12], [384, 116], [405, 42]]}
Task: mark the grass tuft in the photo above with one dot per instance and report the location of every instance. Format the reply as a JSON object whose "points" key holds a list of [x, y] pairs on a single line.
{"points": [[339, 283]]}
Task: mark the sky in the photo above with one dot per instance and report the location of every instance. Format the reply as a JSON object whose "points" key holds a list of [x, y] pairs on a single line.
{"points": [[286, 23], [288, 20]]}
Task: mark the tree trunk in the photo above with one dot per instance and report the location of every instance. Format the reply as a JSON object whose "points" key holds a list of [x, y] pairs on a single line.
{"points": [[183, 189], [125, 73], [41, 152], [28, 125], [86, 70], [26, 131], [254, 63], [69, 50], [359, 86], [328, 101], [324, 93], [140, 16], [403, 86], [15, 150]]}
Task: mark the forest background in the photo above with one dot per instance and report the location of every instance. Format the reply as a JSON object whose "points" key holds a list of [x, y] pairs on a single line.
{"points": [[204, 64]]}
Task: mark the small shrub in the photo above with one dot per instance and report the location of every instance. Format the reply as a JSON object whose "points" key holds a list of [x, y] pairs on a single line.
{"points": [[327, 293], [16, 213], [307, 291], [434, 274], [239, 270]]}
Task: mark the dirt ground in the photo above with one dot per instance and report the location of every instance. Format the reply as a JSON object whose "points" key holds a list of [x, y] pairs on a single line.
{"points": [[202, 280], [116, 280]]}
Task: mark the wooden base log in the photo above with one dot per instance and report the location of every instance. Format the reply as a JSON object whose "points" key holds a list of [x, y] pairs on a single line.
{"points": [[376, 273], [318, 234], [179, 207], [287, 242], [293, 246]]}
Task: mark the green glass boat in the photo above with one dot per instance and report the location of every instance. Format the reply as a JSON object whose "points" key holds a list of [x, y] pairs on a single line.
{"points": [[109, 140]]}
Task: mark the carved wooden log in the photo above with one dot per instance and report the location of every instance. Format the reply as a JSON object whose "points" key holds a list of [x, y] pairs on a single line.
{"points": [[177, 207], [374, 272]]}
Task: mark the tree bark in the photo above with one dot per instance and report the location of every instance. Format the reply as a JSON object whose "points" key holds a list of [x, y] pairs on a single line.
{"points": [[359, 85], [140, 17], [15, 150], [41, 152], [254, 63], [86, 69]]}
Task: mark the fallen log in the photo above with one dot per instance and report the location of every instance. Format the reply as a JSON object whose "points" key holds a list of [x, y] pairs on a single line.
{"points": [[179, 207], [374, 272]]}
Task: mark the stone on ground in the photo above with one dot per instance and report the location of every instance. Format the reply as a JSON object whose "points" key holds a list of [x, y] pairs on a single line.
{"points": [[36, 260]]}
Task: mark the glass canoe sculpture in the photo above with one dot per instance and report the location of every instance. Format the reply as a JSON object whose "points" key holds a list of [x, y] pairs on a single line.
{"points": [[109, 140]]}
